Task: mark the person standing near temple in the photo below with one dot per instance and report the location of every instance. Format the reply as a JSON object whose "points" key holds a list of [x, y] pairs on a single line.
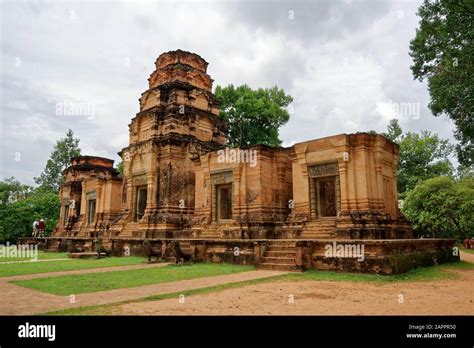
{"points": [[35, 228], [41, 227]]}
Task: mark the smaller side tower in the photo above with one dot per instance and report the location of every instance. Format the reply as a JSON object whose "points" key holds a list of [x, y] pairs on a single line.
{"points": [[90, 197]]}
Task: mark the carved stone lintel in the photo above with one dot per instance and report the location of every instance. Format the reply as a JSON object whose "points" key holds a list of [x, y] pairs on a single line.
{"points": [[324, 169]]}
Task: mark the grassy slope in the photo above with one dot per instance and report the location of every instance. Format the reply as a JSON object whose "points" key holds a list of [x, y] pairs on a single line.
{"points": [[14, 269], [92, 282], [422, 274]]}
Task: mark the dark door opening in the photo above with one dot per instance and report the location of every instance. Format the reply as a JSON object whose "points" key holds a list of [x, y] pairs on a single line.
{"points": [[91, 204], [224, 202], [140, 203], [326, 197]]}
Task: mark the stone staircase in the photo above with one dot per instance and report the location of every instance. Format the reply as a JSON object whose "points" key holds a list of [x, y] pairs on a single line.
{"points": [[279, 255], [211, 232], [320, 229]]}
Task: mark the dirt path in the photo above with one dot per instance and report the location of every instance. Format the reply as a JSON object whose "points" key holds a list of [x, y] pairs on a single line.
{"points": [[437, 297], [448, 297], [43, 260], [467, 257], [80, 271], [17, 300]]}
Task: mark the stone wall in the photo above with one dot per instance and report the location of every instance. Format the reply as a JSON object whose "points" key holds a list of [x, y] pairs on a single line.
{"points": [[380, 256], [385, 257]]}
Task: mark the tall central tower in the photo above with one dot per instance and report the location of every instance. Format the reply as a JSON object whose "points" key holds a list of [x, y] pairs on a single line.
{"points": [[178, 121]]}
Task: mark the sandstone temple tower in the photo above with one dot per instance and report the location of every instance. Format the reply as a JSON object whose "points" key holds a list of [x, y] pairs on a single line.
{"points": [[178, 121]]}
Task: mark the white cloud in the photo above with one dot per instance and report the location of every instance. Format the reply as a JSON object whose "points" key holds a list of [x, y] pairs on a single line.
{"points": [[342, 61]]}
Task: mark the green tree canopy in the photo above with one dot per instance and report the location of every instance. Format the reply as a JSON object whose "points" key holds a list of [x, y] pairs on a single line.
{"points": [[253, 116], [119, 168], [394, 131], [11, 190], [441, 207], [422, 156], [17, 215], [443, 53], [65, 148]]}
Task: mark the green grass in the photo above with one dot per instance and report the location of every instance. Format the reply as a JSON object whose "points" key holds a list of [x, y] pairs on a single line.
{"points": [[468, 251], [92, 282], [421, 274], [22, 268], [108, 309], [41, 256]]}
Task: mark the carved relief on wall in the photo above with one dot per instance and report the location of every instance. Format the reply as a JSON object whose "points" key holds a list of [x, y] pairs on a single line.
{"points": [[139, 180], [167, 177], [124, 191], [251, 195], [323, 169], [136, 150], [222, 178]]}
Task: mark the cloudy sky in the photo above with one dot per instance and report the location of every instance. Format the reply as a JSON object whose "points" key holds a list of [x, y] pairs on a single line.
{"points": [[345, 63]]}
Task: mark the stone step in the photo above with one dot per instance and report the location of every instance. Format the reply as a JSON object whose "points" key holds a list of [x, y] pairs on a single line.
{"points": [[277, 260], [280, 242], [280, 248], [273, 253]]}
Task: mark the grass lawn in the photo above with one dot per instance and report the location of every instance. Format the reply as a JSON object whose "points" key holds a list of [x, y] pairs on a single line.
{"points": [[422, 274], [21, 268], [41, 256], [469, 251], [92, 282], [419, 274]]}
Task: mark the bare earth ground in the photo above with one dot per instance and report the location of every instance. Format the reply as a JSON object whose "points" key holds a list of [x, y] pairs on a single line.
{"points": [[17, 300], [322, 298], [437, 297], [450, 297]]}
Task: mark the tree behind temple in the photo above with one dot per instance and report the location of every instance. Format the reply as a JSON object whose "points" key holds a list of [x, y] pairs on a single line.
{"points": [[441, 207], [443, 53], [422, 156], [253, 116], [60, 159]]}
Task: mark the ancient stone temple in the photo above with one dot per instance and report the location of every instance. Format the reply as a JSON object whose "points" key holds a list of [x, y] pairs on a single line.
{"points": [[279, 208]]}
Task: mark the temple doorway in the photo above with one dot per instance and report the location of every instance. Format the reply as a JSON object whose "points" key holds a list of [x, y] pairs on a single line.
{"points": [[224, 202], [141, 199], [326, 196]]}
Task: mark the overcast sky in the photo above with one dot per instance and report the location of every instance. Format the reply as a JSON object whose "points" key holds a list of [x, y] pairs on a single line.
{"points": [[345, 63]]}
